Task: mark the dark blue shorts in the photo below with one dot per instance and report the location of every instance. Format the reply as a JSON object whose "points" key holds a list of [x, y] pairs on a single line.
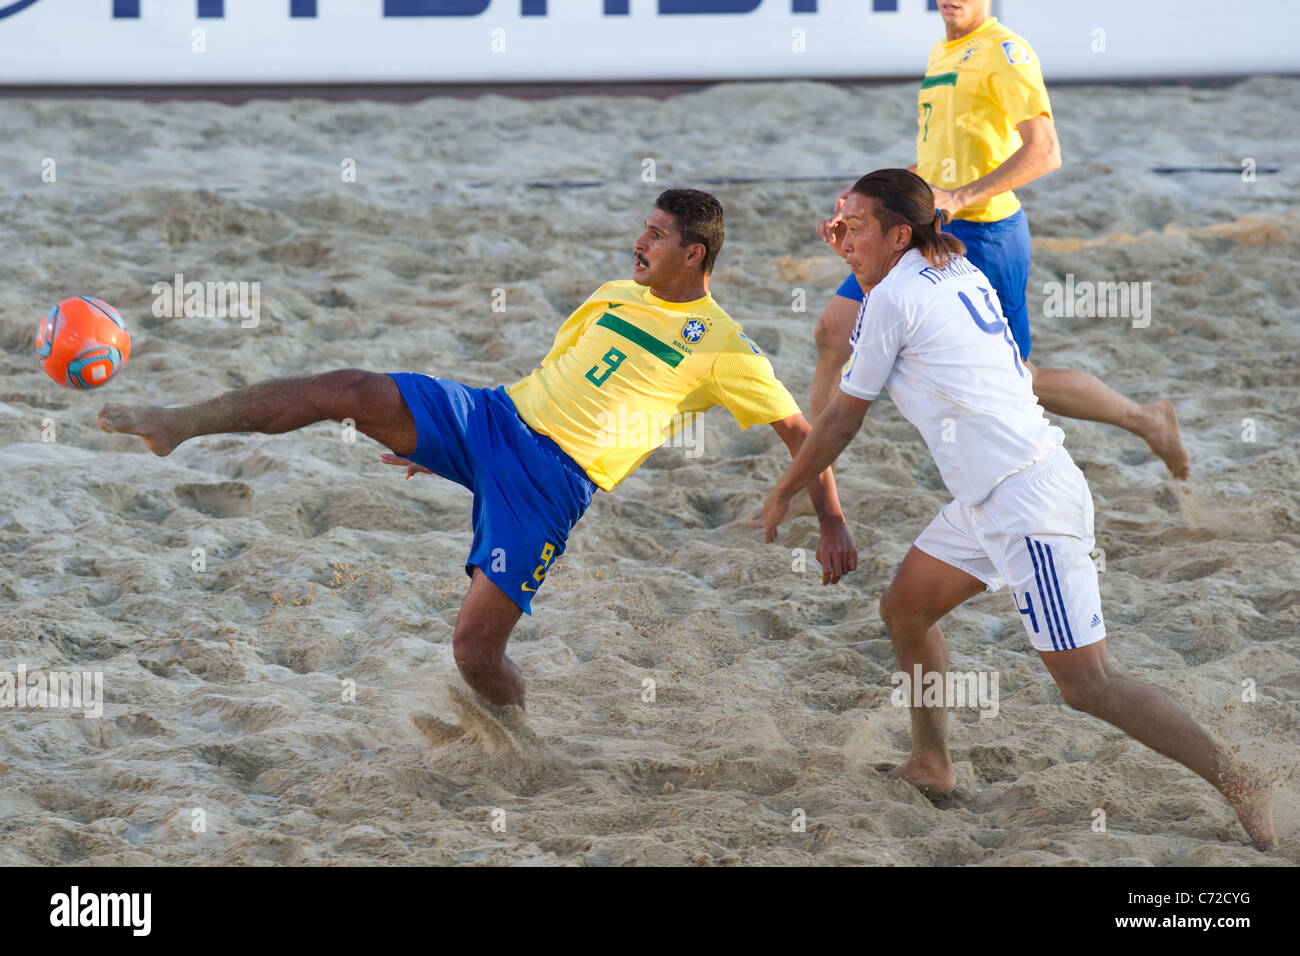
{"points": [[1001, 251], [528, 494]]}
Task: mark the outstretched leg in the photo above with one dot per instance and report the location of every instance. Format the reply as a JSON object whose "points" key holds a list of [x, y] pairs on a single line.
{"points": [[1090, 683], [1070, 393], [922, 592], [483, 626], [370, 399]]}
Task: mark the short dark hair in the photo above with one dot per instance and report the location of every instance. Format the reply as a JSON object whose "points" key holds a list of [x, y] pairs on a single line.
{"points": [[903, 197], [699, 217]]}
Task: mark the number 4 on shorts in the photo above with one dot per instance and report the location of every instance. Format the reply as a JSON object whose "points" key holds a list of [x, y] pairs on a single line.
{"points": [[1027, 609]]}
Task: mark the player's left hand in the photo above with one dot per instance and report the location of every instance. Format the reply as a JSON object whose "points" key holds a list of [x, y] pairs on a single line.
{"points": [[836, 552]]}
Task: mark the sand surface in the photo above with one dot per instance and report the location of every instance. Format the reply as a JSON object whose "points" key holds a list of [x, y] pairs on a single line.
{"points": [[225, 687]]}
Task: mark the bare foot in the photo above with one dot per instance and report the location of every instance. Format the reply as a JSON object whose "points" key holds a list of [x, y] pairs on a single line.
{"points": [[1252, 796], [1162, 436], [932, 775], [151, 422]]}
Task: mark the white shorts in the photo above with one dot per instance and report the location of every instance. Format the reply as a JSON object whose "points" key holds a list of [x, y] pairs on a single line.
{"points": [[1034, 533]]}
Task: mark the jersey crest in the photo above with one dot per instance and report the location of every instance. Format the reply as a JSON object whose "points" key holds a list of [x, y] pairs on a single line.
{"points": [[693, 331], [1015, 53]]}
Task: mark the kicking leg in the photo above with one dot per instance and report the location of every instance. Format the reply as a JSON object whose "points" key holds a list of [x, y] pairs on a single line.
{"points": [[483, 626], [370, 399], [922, 592], [1090, 683], [1070, 393]]}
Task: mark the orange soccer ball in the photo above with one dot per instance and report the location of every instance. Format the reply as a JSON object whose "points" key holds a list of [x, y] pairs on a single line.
{"points": [[82, 342]]}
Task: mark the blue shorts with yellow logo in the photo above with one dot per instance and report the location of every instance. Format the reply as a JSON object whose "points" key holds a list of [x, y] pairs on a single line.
{"points": [[528, 494]]}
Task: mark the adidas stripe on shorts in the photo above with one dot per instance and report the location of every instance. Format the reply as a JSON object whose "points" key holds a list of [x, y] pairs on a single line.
{"points": [[1034, 534]]}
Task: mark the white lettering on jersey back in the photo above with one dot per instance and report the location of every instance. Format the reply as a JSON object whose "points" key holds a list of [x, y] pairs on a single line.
{"points": [[936, 340]]}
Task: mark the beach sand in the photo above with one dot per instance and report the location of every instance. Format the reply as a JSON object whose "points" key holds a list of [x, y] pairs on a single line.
{"points": [[226, 688]]}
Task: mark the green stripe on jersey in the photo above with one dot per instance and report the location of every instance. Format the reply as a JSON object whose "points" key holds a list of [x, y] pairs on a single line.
{"points": [[660, 350], [939, 79]]}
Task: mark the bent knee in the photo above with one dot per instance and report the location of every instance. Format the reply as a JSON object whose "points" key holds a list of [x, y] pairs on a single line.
{"points": [[903, 618], [1082, 694], [832, 333], [345, 379], [474, 656], [344, 392], [833, 328]]}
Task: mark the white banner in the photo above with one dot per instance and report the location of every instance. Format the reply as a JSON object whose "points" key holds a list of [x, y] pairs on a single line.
{"points": [[92, 42]]}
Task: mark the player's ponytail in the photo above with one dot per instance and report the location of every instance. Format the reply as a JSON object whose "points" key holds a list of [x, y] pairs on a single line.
{"points": [[904, 198]]}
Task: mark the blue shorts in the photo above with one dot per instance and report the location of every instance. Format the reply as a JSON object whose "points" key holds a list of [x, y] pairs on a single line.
{"points": [[1001, 251], [528, 494]]}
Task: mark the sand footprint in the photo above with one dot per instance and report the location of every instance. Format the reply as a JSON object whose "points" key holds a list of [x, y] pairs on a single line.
{"points": [[491, 741], [224, 499], [487, 730], [1226, 515], [437, 732]]}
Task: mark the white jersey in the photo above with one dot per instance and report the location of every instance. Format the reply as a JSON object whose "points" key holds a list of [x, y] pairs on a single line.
{"points": [[936, 339]]}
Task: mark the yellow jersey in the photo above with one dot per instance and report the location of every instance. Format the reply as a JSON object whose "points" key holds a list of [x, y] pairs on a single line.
{"points": [[975, 92], [628, 370]]}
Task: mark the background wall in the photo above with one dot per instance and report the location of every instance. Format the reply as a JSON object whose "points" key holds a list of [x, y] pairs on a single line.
{"points": [[340, 41]]}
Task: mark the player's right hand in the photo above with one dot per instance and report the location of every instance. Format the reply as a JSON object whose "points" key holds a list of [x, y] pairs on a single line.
{"points": [[836, 234], [412, 469], [825, 228]]}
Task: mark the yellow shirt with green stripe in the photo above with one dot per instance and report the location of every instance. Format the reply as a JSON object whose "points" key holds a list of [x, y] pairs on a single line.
{"points": [[628, 370], [976, 91]]}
